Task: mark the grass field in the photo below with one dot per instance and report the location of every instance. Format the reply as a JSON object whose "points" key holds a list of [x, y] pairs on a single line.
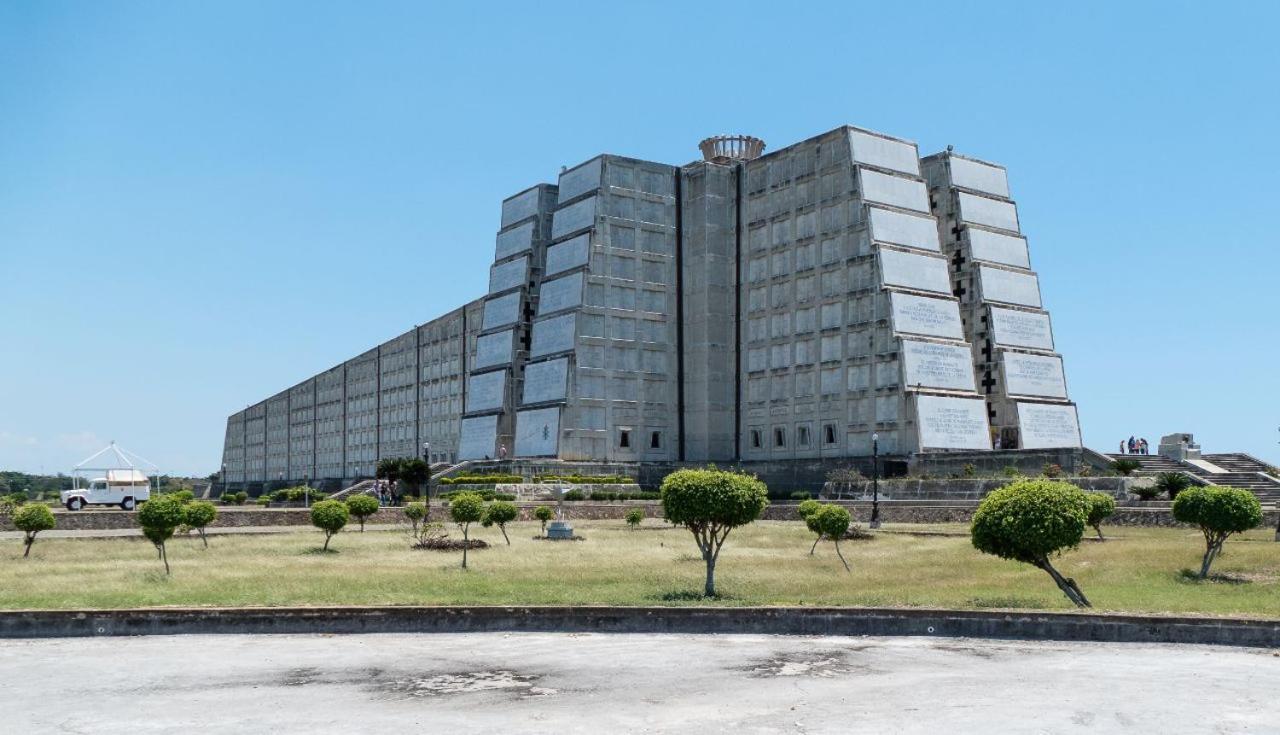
{"points": [[767, 563]]}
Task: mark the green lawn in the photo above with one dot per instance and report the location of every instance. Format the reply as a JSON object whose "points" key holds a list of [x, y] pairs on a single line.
{"points": [[767, 563]]}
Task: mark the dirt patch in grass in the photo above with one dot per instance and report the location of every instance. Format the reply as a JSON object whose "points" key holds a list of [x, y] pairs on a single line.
{"points": [[450, 544]]}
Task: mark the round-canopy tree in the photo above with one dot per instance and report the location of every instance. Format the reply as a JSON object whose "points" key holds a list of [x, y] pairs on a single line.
{"points": [[1101, 507], [329, 516], [32, 519], [1218, 512], [807, 508], [198, 514], [544, 514], [1030, 521], [830, 521], [159, 518], [465, 509], [362, 506], [635, 517], [711, 503], [415, 512], [500, 513]]}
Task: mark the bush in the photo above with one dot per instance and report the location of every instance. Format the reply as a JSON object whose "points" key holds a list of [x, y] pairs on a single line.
{"points": [[1218, 512], [159, 518], [1171, 483], [801, 495], [1145, 492], [362, 506], [575, 495], [1011, 471], [1030, 521], [1125, 467], [199, 514], [182, 496], [635, 517], [415, 512], [482, 480], [1101, 506], [500, 513], [1052, 471], [506, 497], [330, 516], [830, 521], [31, 520], [807, 508], [711, 503], [264, 501], [465, 509], [544, 514]]}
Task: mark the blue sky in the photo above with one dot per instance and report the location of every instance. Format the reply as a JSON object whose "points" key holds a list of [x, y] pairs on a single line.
{"points": [[204, 203]]}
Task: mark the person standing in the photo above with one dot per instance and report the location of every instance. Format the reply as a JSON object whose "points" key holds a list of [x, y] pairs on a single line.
{"points": [[1133, 445], [502, 452], [1122, 446]]}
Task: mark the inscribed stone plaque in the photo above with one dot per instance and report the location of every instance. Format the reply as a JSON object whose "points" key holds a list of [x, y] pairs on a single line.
{"points": [[479, 437], [501, 311], [900, 228], [520, 206], [911, 270], [538, 432], [1034, 375], [508, 275], [580, 179], [934, 365], [574, 217], [568, 254], [559, 294], [1046, 426], [924, 315], [1021, 329], [895, 190], [1010, 287], [952, 423], [515, 240], [998, 248], [875, 150], [485, 391], [985, 211], [545, 381], [553, 335], [970, 174], [493, 349]]}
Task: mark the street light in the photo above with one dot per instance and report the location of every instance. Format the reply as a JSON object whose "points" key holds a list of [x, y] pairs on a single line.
{"points": [[426, 457], [306, 489], [875, 480], [224, 478]]}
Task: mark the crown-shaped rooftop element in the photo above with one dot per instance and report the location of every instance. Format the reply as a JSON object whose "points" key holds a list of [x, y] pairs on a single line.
{"points": [[727, 148]]}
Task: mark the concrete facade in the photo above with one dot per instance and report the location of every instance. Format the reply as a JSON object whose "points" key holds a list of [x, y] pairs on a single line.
{"points": [[783, 308]]}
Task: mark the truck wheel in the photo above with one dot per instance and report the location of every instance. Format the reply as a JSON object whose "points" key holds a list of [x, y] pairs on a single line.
{"points": [[126, 504], [75, 504]]}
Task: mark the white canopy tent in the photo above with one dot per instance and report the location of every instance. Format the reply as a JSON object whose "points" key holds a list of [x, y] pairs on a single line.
{"points": [[123, 471]]}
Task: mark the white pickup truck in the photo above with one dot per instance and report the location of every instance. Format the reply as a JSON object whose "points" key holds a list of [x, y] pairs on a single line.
{"points": [[125, 488]]}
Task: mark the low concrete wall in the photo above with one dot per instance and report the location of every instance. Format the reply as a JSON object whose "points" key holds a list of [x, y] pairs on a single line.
{"points": [[701, 620], [970, 488]]}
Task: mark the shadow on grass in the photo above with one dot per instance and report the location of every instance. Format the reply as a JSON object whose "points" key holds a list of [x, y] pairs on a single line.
{"points": [[1014, 603], [319, 551], [689, 596], [1191, 575]]}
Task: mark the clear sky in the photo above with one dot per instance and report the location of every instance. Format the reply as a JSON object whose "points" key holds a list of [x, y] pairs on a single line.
{"points": [[202, 204]]}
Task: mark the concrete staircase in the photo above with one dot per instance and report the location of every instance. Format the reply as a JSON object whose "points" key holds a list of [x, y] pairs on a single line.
{"points": [[1152, 464], [1242, 471]]}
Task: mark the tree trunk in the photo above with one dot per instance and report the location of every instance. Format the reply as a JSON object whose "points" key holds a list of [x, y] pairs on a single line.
{"points": [[1098, 528], [327, 536], [544, 529], [842, 561], [503, 528], [1066, 584], [815, 544], [361, 525], [204, 538], [28, 541], [164, 557], [465, 543], [1209, 554], [710, 589]]}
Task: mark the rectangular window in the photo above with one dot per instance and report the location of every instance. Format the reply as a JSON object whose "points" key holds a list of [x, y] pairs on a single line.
{"points": [[779, 437], [802, 436], [624, 438], [655, 440], [829, 434], [755, 438]]}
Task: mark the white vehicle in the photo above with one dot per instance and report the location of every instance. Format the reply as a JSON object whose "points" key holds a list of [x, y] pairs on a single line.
{"points": [[125, 488]]}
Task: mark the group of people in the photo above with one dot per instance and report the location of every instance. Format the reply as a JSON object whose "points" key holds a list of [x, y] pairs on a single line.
{"points": [[1133, 446], [386, 493]]}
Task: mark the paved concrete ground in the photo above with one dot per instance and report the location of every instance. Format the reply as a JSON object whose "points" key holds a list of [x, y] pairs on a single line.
{"points": [[557, 683]]}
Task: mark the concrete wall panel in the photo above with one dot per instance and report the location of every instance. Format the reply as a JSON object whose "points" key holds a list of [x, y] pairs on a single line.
{"points": [[519, 207], [494, 349], [995, 247], [538, 432], [1045, 426], [568, 254], [577, 216], [894, 190], [969, 174], [909, 270], [508, 275], [875, 150], [485, 391], [513, 241], [899, 228], [928, 316], [1034, 375], [1009, 287], [580, 179], [986, 211], [1021, 329], [553, 335], [501, 311], [546, 381], [944, 422], [934, 365], [479, 437], [560, 293]]}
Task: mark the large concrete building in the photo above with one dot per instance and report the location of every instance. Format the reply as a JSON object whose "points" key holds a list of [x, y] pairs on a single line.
{"points": [[745, 307]]}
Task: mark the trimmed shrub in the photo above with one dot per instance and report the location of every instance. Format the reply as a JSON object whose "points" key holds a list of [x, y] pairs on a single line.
{"points": [[807, 508], [415, 512], [264, 501], [575, 495], [159, 518], [32, 519], [182, 496], [197, 515], [544, 513], [830, 521], [500, 513], [465, 509], [1052, 471], [635, 517], [1145, 492], [482, 480], [801, 495], [330, 516], [711, 503], [1218, 512], [362, 506], [1171, 483], [1101, 507], [1125, 467], [1030, 521]]}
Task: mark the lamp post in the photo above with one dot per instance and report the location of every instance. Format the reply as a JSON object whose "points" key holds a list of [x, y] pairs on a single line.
{"points": [[224, 478], [426, 457], [875, 480], [306, 489]]}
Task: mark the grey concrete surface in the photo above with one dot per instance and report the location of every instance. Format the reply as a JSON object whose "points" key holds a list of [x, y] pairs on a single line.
{"points": [[544, 682]]}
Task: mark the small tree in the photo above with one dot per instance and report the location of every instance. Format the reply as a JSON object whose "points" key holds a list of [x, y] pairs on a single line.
{"points": [[1030, 521], [198, 514], [807, 508], [362, 506], [500, 513], [711, 503], [1218, 512], [830, 521], [1101, 507], [159, 518], [415, 512], [32, 519], [413, 473], [465, 509], [1172, 483], [635, 517], [329, 516], [544, 514]]}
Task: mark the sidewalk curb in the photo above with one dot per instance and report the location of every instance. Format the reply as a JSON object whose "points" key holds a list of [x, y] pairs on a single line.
{"points": [[605, 619]]}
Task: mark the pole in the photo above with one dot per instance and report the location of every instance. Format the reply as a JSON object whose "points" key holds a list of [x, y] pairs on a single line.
{"points": [[306, 489], [875, 480], [426, 457]]}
